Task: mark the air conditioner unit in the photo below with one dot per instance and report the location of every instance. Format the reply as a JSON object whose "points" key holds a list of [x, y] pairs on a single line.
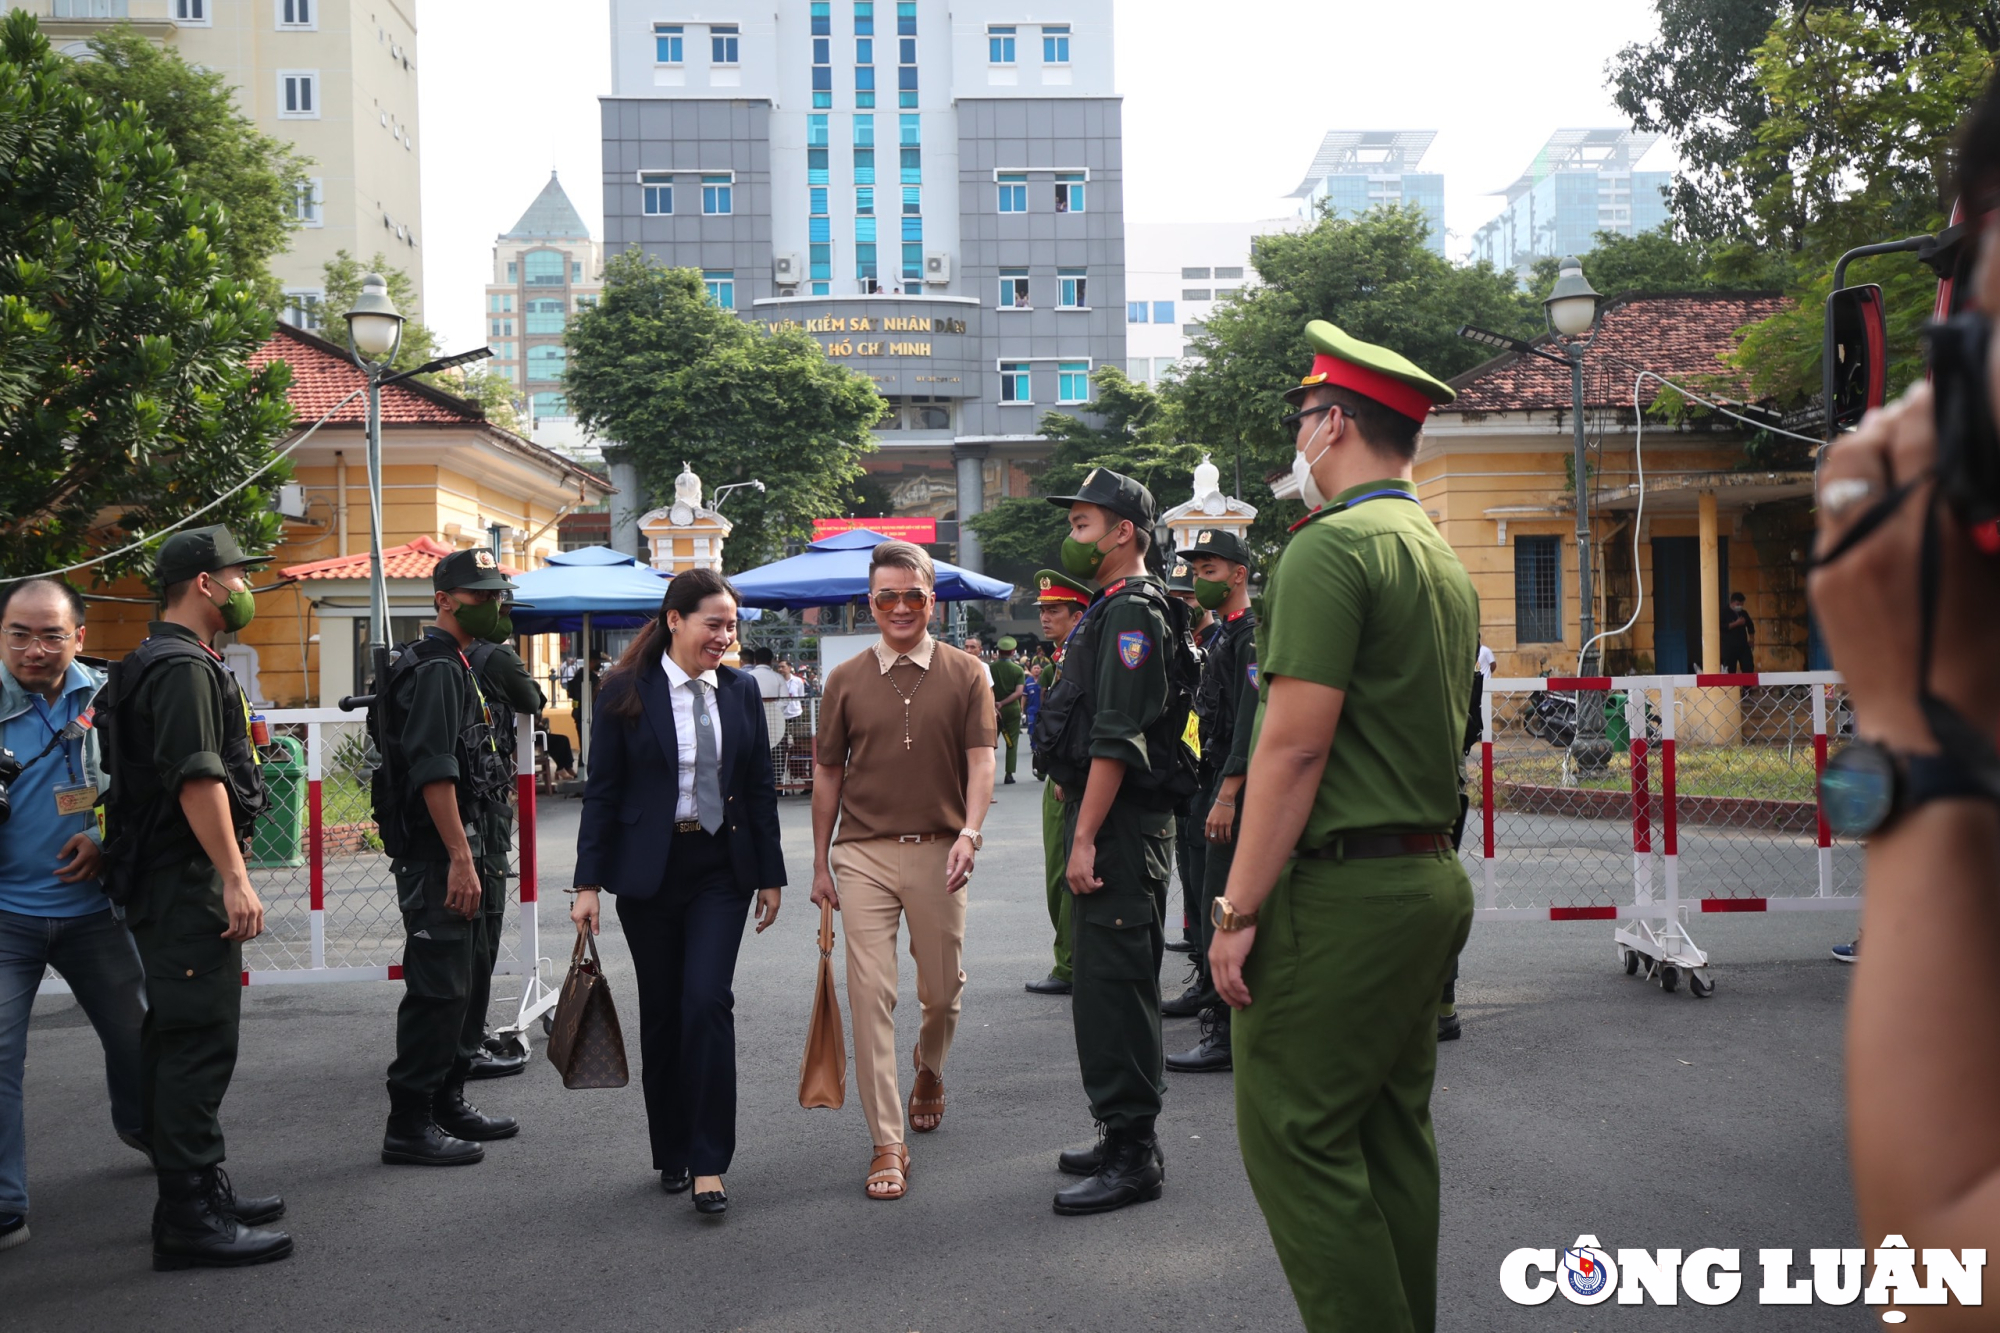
{"points": [[937, 268], [785, 270]]}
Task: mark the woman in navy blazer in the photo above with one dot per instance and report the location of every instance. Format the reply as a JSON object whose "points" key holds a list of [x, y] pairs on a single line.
{"points": [[684, 855]]}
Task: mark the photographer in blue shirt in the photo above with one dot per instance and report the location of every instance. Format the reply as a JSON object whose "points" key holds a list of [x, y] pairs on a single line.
{"points": [[53, 913]]}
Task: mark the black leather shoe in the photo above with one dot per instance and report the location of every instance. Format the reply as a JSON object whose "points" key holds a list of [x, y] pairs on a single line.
{"points": [[462, 1120], [676, 1182], [1049, 985], [712, 1203], [1087, 1161], [490, 1063], [251, 1212], [1133, 1171], [1211, 1053], [192, 1230], [1181, 945], [1189, 1002], [1448, 1027], [1009, 782], [413, 1139]]}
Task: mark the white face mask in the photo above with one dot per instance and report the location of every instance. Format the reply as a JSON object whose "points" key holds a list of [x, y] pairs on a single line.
{"points": [[1309, 490]]}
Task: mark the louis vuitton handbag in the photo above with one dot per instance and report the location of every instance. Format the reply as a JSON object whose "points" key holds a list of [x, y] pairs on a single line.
{"points": [[823, 1071], [585, 1043]]}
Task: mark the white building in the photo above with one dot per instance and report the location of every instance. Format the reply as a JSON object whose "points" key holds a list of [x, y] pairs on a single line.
{"points": [[1175, 272]]}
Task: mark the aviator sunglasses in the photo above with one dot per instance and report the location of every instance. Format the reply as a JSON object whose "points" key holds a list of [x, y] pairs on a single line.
{"points": [[914, 598]]}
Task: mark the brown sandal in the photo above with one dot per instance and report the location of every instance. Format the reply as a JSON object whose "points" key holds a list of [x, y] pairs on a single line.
{"points": [[891, 1166], [926, 1095]]}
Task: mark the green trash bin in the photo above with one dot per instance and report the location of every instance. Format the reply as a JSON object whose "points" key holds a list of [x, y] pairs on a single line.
{"points": [[278, 838], [1616, 729]]}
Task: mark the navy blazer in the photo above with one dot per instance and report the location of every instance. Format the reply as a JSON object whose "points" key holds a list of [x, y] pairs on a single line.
{"points": [[634, 785]]}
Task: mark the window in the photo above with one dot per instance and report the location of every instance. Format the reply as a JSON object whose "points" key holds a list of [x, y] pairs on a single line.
{"points": [[906, 17], [1135, 312], [1200, 273], [1073, 381], [1072, 282], [1013, 289], [913, 200], [1014, 382], [308, 204], [864, 265], [192, 12], [864, 201], [913, 254], [815, 166], [1222, 273], [823, 82], [1000, 45], [544, 316], [913, 166], [298, 94], [864, 50], [822, 18], [502, 328], [550, 405], [1163, 312], [816, 132], [820, 257], [295, 14], [1196, 294], [658, 189], [669, 46], [721, 284], [1221, 292], [513, 271], [864, 78], [1013, 194], [910, 129], [1069, 192], [1055, 43], [722, 43], [816, 201], [822, 50], [583, 303], [864, 131], [304, 308], [864, 18], [546, 268], [546, 361], [1537, 589], [1194, 330], [906, 50], [716, 195], [864, 166], [496, 304]]}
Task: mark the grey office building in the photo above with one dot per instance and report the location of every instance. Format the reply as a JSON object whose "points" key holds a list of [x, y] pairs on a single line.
{"points": [[934, 192]]}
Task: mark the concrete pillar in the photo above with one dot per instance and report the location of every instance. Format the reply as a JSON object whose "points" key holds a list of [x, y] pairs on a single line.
{"points": [[970, 459], [627, 503], [1711, 586]]}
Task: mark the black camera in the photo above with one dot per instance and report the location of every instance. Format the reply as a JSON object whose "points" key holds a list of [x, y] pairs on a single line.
{"points": [[10, 768], [1968, 441]]}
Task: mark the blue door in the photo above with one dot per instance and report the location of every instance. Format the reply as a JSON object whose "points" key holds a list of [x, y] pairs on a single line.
{"points": [[1677, 627]]}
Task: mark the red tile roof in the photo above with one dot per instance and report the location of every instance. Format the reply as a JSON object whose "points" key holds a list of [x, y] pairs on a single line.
{"points": [[322, 374], [1683, 336], [414, 560]]}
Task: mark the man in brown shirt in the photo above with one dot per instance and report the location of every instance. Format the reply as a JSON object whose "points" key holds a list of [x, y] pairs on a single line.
{"points": [[904, 763]]}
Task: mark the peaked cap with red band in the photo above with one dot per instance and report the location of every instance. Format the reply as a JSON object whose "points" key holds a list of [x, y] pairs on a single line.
{"points": [[1390, 378], [1053, 589]]}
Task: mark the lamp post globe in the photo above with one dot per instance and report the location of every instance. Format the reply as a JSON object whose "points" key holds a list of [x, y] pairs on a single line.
{"points": [[1572, 306], [374, 325]]}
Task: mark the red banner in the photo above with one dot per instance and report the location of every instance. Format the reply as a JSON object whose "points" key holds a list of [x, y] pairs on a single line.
{"points": [[919, 530]]}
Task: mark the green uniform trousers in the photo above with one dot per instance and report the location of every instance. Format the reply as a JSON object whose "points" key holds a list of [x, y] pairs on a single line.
{"points": [[1334, 1063], [194, 1007], [1054, 857], [496, 840], [1010, 732], [442, 1017], [1216, 859], [1117, 939]]}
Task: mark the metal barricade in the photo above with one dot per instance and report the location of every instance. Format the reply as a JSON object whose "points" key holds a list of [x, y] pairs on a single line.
{"points": [[1702, 795], [792, 744]]}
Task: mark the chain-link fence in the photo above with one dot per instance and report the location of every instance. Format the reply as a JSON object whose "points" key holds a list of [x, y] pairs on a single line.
{"points": [[791, 724]]}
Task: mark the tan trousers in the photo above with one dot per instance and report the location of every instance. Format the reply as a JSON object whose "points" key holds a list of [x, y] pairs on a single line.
{"points": [[880, 880]]}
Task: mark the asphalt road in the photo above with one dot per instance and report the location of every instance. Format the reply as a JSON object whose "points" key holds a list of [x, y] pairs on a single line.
{"points": [[1580, 1101]]}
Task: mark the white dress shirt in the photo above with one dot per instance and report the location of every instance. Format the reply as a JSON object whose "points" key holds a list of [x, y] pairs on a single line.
{"points": [[682, 691]]}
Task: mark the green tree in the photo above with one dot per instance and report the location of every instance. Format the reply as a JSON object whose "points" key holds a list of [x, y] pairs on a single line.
{"points": [[1133, 433], [659, 369], [257, 179], [1375, 277], [342, 278], [1652, 261], [126, 400], [494, 393]]}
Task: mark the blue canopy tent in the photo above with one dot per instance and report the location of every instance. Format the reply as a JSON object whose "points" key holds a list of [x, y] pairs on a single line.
{"points": [[835, 570]]}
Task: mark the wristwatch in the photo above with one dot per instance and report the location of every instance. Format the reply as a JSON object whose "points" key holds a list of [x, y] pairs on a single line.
{"points": [[1866, 786], [978, 838], [1226, 917]]}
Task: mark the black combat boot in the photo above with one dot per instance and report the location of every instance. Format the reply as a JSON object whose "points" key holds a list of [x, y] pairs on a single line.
{"points": [[1211, 1053], [1087, 1161], [1133, 1171], [414, 1139], [1190, 1002], [251, 1212], [461, 1119], [191, 1228]]}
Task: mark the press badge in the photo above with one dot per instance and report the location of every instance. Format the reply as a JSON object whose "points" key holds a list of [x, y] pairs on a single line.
{"points": [[75, 798]]}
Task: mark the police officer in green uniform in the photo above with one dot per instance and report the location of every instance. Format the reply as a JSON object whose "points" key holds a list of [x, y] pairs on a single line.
{"points": [[1009, 681], [443, 782], [1345, 853], [185, 790], [1060, 601], [1188, 849], [1110, 734], [1226, 703], [509, 691]]}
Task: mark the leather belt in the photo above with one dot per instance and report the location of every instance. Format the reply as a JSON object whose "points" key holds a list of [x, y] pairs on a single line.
{"points": [[919, 837], [1369, 846], [688, 826]]}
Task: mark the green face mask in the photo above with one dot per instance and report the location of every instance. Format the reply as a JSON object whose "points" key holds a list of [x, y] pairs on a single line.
{"points": [[1081, 559], [238, 609], [479, 619], [503, 629], [1210, 595]]}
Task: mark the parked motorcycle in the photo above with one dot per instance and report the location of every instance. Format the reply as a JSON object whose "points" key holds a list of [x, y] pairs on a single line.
{"points": [[1551, 716]]}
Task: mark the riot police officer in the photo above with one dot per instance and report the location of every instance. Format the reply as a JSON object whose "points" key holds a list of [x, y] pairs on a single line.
{"points": [[442, 783], [1110, 734], [509, 691], [1226, 703], [185, 790]]}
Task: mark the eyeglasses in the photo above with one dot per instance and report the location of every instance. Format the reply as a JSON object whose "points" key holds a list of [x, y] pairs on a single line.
{"points": [[53, 641], [1291, 420], [914, 598]]}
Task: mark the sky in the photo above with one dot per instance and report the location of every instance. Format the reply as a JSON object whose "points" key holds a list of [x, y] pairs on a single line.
{"points": [[1221, 121]]}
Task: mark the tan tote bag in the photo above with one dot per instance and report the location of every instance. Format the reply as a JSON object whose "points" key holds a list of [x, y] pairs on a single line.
{"points": [[823, 1071], [585, 1044]]}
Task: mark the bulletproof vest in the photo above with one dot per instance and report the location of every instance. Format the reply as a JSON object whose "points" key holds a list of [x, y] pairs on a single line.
{"points": [[1215, 697], [1061, 738], [499, 715], [136, 802], [485, 776]]}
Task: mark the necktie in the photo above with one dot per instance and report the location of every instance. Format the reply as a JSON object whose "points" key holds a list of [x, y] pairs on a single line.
{"points": [[707, 762]]}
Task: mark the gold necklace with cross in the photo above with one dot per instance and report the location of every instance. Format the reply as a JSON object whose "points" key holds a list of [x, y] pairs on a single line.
{"points": [[922, 675]]}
